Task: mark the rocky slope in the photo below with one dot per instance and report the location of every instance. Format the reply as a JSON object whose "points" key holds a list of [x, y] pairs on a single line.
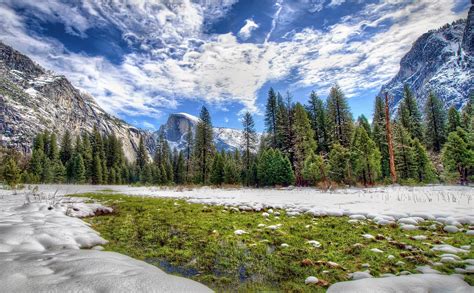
{"points": [[178, 125], [33, 99], [441, 61]]}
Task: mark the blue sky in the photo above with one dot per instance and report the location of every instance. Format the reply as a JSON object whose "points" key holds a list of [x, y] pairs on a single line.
{"points": [[142, 59]]}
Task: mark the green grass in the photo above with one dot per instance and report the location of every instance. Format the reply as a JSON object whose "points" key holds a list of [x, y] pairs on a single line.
{"points": [[198, 242]]}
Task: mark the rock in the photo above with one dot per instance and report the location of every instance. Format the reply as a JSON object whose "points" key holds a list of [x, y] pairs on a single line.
{"points": [[399, 263], [391, 257], [376, 250], [470, 232], [314, 243], [311, 280], [265, 214], [451, 229], [360, 275], [284, 245], [368, 236], [419, 237], [239, 232]]}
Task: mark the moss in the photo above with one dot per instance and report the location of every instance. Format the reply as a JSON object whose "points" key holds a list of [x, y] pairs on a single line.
{"points": [[198, 242]]}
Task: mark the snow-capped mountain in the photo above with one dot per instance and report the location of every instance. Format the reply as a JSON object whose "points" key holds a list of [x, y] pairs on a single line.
{"points": [[33, 99], [178, 125], [441, 61]]}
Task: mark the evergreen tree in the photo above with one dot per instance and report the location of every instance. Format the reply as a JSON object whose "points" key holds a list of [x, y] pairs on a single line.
{"points": [[87, 155], [365, 157], [363, 122], [78, 169], [315, 169], [404, 153], [48, 175], [454, 120], [204, 146], [318, 117], [458, 154], [53, 153], [339, 118], [142, 155], [304, 143], [379, 135], [96, 177], [435, 118], [271, 117], [467, 115], [284, 126], [66, 150], [37, 162], [249, 141], [409, 115], [424, 168], [274, 168], [231, 171], [339, 164], [146, 175], [188, 152], [11, 173], [217, 170], [59, 172], [180, 169]]}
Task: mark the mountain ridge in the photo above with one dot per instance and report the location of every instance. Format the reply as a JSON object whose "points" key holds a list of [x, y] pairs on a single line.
{"points": [[441, 61]]}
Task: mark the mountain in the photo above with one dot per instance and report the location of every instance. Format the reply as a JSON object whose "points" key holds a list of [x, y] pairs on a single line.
{"points": [[33, 99], [178, 124], [441, 61]]}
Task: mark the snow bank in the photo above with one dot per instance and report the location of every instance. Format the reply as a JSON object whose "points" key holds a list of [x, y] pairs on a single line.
{"points": [[449, 205], [40, 250], [432, 283], [86, 271]]}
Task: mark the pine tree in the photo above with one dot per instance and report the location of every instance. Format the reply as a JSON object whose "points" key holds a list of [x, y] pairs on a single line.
{"points": [[458, 154], [284, 126], [96, 170], [274, 168], [271, 117], [47, 176], [380, 137], [404, 153], [142, 155], [37, 161], [339, 164], [318, 117], [248, 145], [435, 118], [217, 170], [315, 169], [66, 150], [87, 155], [467, 115], [59, 172], [231, 170], [424, 168], [365, 157], [339, 118], [204, 146], [78, 169], [362, 121], [188, 153], [454, 120], [53, 153], [409, 115], [180, 169], [11, 173], [304, 143], [146, 175]]}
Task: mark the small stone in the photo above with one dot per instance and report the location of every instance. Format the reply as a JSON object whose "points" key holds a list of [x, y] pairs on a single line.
{"points": [[311, 280], [261, 225], [390, 256], [376, 250], [399, 263], [266, 215], [368, 236], [360, 275], [365, 265], [239, 232], [284, 245], [451, 229], [314, 243]]}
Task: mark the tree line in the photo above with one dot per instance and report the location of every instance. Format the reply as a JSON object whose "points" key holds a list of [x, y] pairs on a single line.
{"points": [[316, 144]]}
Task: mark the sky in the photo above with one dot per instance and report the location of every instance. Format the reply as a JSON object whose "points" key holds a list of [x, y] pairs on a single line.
{"points": [[145, 59]]}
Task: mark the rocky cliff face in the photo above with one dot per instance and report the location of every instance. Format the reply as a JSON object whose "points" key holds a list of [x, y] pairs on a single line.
{"points": [[178, 125], [441, 61], [33, 100]]}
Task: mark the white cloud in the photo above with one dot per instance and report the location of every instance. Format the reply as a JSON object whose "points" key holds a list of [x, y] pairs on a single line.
{"points": [[335, 3], [177, 61], [246, 31]]}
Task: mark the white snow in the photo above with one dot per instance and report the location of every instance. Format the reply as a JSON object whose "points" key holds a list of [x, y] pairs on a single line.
{"points": [[40, 251], [449, 203], [376, 250], [314, 243], [448, 249], [239, 232], [433, 283], [451, 229]]}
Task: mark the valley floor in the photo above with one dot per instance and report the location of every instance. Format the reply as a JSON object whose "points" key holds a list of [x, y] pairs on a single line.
{"points": [[39, 246]]}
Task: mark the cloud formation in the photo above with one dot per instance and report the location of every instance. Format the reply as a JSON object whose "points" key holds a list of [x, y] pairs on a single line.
{"points": [[247, 29], [173, 59]]}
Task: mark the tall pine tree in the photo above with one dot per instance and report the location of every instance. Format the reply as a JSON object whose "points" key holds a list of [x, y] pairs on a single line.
{"points": [[271, 111], [304, 143], [318, 117], [339, 117], [435, 120], [248, 145], [204, 146]]}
